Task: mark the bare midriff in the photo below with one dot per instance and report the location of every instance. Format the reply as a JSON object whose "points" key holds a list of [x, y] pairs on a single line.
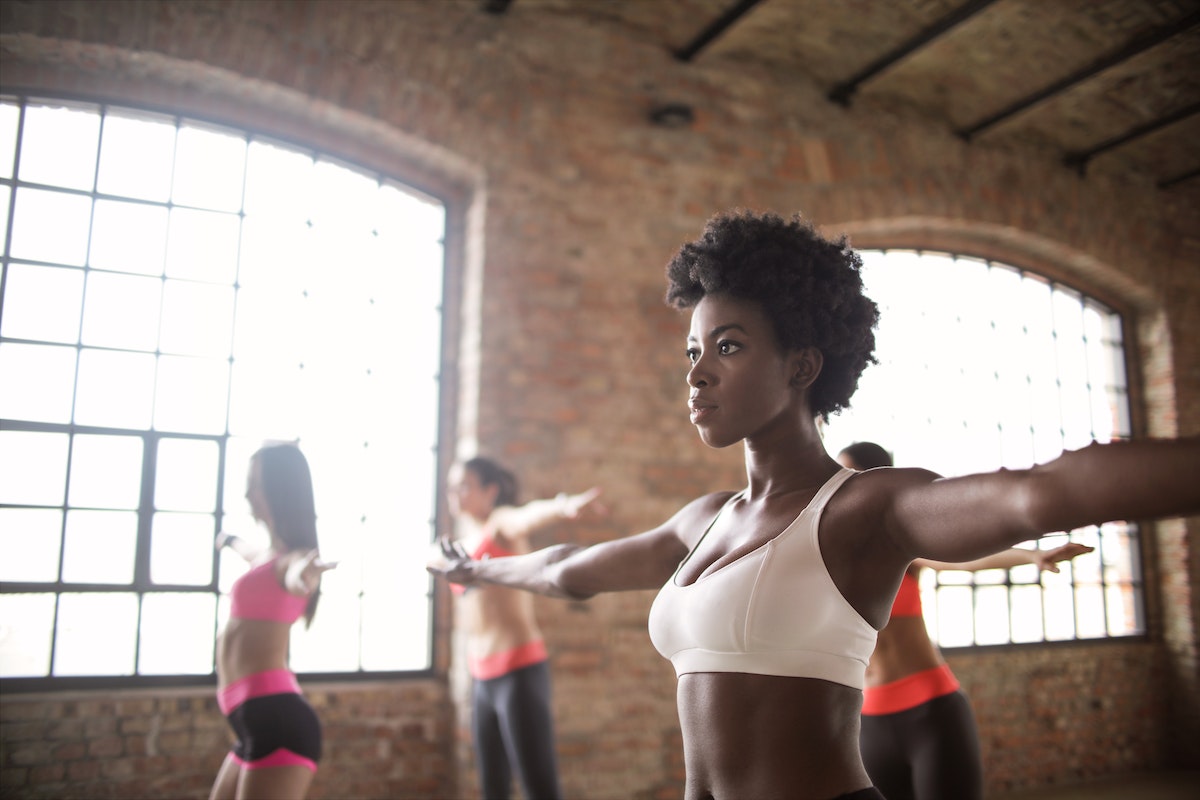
{"points": [[767, 737], [902, 648], [249, 646], [497, 619]]}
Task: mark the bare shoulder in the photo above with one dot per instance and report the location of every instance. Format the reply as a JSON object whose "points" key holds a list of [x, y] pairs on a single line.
{"points": [[863, 508], [875, 489], [691, 521]]}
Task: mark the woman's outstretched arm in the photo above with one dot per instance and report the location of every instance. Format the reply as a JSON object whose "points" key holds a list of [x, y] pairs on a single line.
{"points": [[1046, 560], [960, 519], [643, 561], [516, 522]]}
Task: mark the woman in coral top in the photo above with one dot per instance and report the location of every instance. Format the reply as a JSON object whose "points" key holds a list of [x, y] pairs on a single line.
{"points": [[278, 734], [512, 723], [918, 735]]}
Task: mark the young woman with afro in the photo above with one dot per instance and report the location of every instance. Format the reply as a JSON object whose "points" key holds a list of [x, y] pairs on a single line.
{"points": [[771, 596]]}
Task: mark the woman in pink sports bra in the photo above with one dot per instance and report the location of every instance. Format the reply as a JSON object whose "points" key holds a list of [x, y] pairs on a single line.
{"points": [[919, 740], [278, 734], [770, 597], [511, 709]]}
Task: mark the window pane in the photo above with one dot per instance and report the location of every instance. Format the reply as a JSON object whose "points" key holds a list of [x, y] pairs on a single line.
{"points": [[10, 116], [395, 631], [1089, 610], [50, 226], [26, 628], [59, 146], [954, 616], [203, 245], [113, 248], [1027, 614], [96, 634], [1060, 611], [33, 468], [38, 382], [254, 405], [192, 394], [30, 539], [177, 634], [106, 471], [332, 644], [114, 389], [197, 319], [181, 549], [135, 156], [208, 168], [991, 615], [42, 303], [5, 204], [122, 311], [271, 325], [278, 181], [186, 475], [100, 547]]}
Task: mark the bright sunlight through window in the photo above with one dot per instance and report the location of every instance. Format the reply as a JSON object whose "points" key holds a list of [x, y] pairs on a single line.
{"points": [[984, 366], [174, 294]]}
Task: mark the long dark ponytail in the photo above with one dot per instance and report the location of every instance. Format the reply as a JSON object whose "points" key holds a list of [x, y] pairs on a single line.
{"points": [[287, 486]]}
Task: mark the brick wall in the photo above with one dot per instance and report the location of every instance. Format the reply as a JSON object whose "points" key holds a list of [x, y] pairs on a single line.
{"points": [[565, 205], [380, 741]]}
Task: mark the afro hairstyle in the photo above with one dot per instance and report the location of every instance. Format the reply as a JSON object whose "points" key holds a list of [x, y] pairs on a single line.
{"points": [[810, 288]]}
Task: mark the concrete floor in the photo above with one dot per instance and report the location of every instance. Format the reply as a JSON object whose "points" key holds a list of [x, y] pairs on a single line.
{"points": [[1156, 786]]}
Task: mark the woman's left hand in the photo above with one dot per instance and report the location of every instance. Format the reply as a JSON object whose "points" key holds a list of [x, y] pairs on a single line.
{"points": [[1048, 559], [573, 505], [310, 568], [451, 561]]}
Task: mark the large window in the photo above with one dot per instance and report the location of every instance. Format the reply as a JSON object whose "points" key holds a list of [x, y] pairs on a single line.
{"points": [[984, 366], [174, 294]]}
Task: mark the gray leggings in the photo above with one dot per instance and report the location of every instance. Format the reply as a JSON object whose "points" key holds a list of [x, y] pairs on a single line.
{"points": [[513, 727], [930, 752]]}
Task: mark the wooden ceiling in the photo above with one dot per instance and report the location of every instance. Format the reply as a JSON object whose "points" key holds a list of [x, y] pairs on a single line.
{"points": [[1102, 84]]}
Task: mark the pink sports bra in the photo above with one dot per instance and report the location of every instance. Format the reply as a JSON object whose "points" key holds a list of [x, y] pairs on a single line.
{"points": [[774, 611], [259, 595]]}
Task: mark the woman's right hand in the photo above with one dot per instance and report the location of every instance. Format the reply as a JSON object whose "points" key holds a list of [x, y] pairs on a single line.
{"points": [[450, 561]]}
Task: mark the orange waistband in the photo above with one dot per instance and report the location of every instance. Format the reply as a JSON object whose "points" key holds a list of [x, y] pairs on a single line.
{"points": [[909, 692], [498, 664]]}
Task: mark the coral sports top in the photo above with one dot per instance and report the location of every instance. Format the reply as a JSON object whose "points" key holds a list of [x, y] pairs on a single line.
{"points": [[259, 595], [774, 611], [908, 598]]}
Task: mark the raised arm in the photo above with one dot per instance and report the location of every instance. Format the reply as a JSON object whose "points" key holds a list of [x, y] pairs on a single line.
{"points": [[303, 571], [1012, 557], [643, 561], [961, 519], [516, 522], [237, 544]]}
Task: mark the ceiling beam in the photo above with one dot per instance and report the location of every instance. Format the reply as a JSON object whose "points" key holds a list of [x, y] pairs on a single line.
{"points": [[1079, 160], [496, 6], [1186, 176], [715, 29], [842, 93], [1133, 48]]}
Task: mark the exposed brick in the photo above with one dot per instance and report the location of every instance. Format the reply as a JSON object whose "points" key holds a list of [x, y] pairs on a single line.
{"points": [[581, 379]]}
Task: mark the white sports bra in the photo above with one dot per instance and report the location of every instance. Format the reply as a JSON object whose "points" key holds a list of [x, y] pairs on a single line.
{"points": [[774, 611]]}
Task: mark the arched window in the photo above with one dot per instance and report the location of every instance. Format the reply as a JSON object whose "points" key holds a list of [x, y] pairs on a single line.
{"points": [[175, 293], [984, 366]]}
